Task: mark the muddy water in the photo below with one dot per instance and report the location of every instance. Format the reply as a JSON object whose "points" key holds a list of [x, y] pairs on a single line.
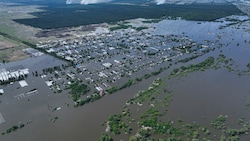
{"points": [[76, 124], [209, 94]]}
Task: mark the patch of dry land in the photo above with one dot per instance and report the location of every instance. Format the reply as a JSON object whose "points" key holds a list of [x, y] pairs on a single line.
{"points": [[10, 50]]}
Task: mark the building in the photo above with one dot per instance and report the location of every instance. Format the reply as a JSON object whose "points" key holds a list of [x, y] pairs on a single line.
{"points": [[107, 65], [6, 76]]}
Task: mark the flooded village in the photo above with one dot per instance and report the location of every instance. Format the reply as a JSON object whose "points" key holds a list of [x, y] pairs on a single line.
{"points": [[45, 89]]}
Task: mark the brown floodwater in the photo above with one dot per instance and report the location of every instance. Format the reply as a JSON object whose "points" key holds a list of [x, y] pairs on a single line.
{"points": [[78, 124], [210, 94]]}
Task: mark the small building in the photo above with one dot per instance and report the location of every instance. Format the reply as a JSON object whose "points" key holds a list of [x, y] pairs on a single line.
{"points": [[102, 74], [99, 89], [49, 83], [116, 61], [23, 83], [107, 65]]}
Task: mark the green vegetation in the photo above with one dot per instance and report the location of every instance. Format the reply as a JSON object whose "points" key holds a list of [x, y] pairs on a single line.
{"points": [[105, 137], [91, 98], [128, 84], [152, 21], [140, 28], [248, 65], [77, 90], [188, 59], [142, 96], [112, 90], [14, 128], [206, 64], [120, 26], [219, 122], [116, 124], [70, 18]]}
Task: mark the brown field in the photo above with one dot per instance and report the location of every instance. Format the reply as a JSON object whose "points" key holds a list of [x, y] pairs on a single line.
{"points": [[11, 51], [6, 45]]}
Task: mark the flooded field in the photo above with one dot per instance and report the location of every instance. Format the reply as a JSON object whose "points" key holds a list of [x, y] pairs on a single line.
{"points": [[198, 97], [201, 97]]}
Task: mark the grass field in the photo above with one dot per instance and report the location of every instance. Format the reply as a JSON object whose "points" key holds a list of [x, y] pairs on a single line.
{"points": [[11, 50]]}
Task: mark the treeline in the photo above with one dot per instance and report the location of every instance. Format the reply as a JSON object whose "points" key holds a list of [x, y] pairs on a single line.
{"points": [[115, 89], [15, 128], [193, 67]]}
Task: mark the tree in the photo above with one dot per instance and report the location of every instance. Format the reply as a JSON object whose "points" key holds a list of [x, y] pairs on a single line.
{"points": [[36, 73], [248, 65], [105, 137], [133, 138], [175, 70]]}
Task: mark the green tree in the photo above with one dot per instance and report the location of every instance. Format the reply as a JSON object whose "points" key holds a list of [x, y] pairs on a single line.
{"points": [[248, 65], [105, 137], [133, 138]]}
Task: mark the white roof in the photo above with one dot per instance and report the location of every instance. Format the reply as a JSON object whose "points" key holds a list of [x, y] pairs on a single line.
{"points": [[25, 71], [99, 88], [23, 83], [116, 61], [101, 74], [1, 119], [1, 91], [49, 83], [107, 64]]}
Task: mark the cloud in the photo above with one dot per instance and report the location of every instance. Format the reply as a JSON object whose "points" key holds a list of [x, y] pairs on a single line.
{"points": [[69, 1], [85, 2], [158, 2]]}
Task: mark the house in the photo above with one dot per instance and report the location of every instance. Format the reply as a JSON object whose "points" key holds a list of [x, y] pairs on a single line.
{"points": [[107, 65]]}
